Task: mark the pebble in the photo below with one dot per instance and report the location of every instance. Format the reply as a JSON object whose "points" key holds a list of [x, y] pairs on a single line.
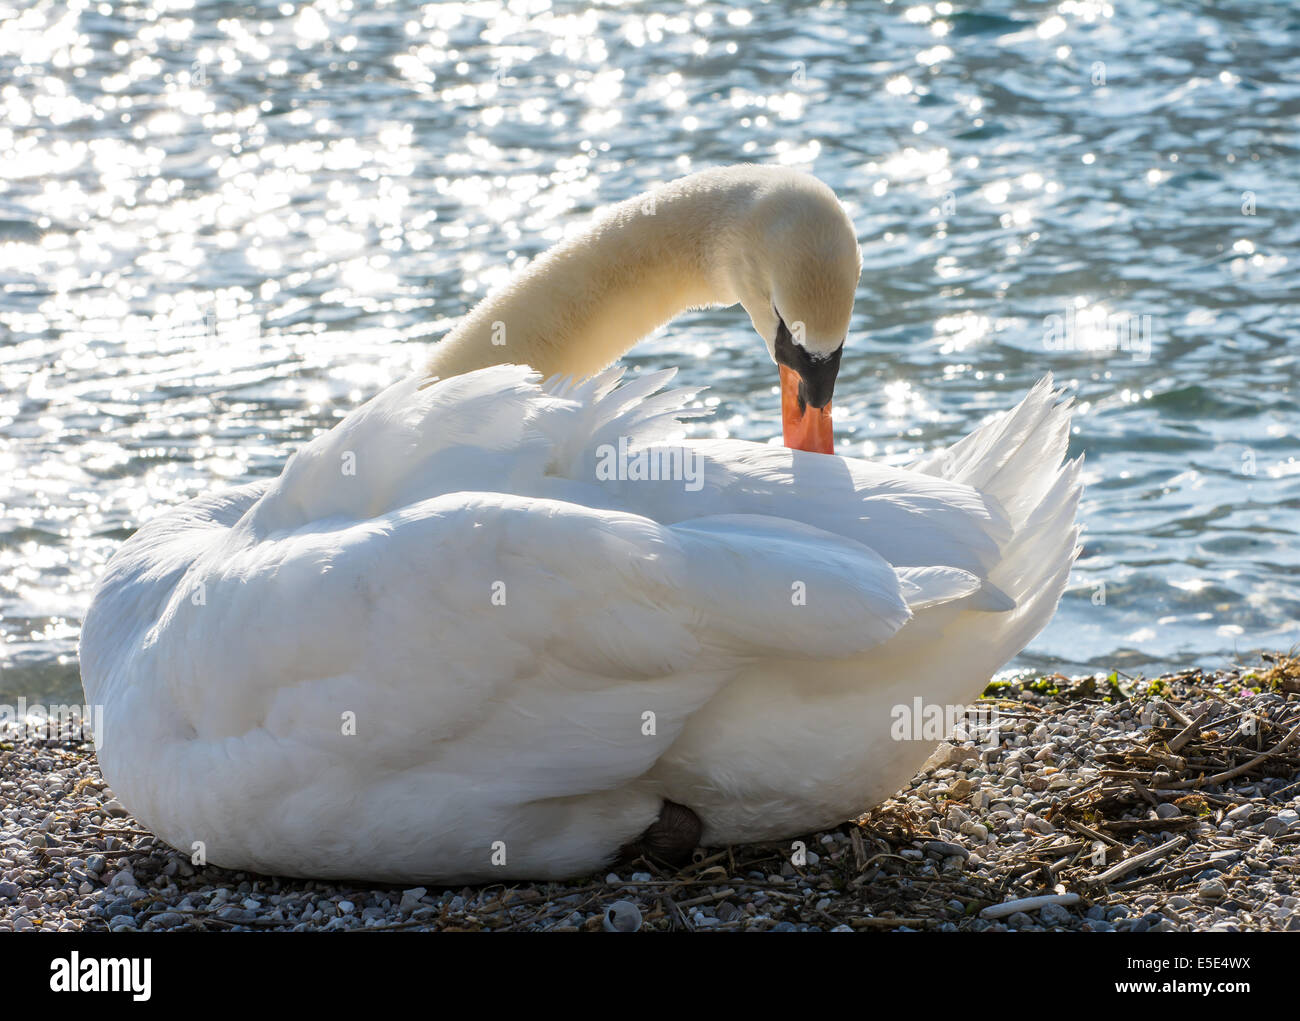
{"points": [[411, 899], [977, 830], [1212, 890], [728, 912]]}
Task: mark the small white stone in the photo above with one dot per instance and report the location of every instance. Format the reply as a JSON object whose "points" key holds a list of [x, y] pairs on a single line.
{"points": [[1212, 890]]}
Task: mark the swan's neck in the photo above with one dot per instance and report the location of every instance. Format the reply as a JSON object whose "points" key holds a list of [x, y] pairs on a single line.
{"points": [[581, 305]]}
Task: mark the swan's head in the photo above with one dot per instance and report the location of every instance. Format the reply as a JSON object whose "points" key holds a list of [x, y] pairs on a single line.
{"points": [[796, 277]]}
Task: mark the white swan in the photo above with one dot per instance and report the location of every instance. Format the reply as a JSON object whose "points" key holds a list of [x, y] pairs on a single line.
{"points": [[444, 645]]}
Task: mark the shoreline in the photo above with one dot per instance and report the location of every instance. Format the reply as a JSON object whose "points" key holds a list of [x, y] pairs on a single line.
{"points": [[1169, 804]]}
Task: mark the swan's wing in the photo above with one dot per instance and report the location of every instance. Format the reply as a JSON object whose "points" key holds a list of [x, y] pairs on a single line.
{"points": [[546, 630]]}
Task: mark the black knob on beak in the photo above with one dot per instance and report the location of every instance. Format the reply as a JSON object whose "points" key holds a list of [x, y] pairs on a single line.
{"points": [[816, 375]]}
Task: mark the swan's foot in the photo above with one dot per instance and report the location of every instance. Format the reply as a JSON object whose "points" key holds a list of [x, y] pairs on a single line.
{"points": [[671, 838]]}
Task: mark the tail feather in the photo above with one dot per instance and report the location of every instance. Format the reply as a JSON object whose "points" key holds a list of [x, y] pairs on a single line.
{"points": [[1018, 460], [1013, 457]]}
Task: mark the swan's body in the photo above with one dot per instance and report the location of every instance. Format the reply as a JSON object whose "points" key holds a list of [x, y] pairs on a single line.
{"points": [[477, 657]]}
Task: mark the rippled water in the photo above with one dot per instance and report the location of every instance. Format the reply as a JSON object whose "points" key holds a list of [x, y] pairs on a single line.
{"points": [[222, 225]]}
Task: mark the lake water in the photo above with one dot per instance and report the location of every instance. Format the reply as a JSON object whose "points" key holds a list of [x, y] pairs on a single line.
{"points": [[222, 225]]}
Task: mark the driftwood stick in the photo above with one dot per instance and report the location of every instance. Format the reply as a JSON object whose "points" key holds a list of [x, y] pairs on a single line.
{"points": [[859, 852], [887, 923], [1176, 714], [1146, 794], [1092, 834], [1190, 730], [1028, 904], [1128, 865]]}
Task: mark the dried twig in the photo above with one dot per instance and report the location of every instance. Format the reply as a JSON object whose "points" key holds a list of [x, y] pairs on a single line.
{"points": [[1126, 866]]}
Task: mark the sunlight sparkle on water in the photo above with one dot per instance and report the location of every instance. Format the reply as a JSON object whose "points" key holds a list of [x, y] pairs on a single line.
{"points": [[218, 234]]}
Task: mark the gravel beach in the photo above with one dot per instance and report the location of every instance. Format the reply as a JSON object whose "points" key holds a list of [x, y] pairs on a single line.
{"points": [[1106, 804]]}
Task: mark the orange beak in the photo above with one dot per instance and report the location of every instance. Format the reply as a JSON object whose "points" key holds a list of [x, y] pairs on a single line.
{"points": [[804, 427]]}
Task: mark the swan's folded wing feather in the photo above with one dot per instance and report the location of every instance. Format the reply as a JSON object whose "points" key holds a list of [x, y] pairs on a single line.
{"points": [[788, 588], [499, 615]]}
